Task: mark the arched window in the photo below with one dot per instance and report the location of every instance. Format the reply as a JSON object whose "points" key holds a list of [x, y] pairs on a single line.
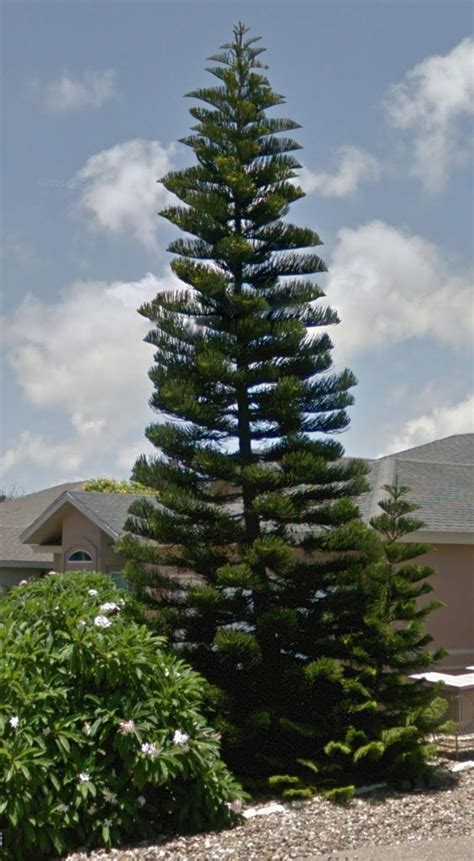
{"points": [[79, 556]]}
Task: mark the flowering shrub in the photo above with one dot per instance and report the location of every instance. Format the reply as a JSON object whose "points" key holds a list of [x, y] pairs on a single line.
{"points": [[102, 736]]}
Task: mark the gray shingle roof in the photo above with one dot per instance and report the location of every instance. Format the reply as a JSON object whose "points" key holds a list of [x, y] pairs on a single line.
{"points": [[110, 508], [365, 500], [440, 476], [16, 514], [458, 448], [444, 493]]}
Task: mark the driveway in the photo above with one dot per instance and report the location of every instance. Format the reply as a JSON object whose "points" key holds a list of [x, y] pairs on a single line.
{"points": [[446, 849]]}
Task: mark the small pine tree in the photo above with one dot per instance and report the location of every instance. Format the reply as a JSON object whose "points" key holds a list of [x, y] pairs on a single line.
{"points": [[248, 482], [382, 640]]}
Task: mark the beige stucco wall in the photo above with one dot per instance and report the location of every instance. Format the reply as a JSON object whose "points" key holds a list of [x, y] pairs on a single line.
{"points": [[452, 627], [79, 533], [109, 559]]}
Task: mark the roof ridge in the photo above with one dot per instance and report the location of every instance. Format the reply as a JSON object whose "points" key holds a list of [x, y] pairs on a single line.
{"points": [[63, 484], [428, 462], [385, 475], [433, 442], [92, 493]]}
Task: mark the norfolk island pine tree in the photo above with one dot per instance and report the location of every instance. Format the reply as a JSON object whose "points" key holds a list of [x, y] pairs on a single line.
{"points": [[248, 481], [380, 639]]}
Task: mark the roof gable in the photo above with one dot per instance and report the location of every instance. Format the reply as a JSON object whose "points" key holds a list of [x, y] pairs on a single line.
{"points": [[108, 511], [16, 514]]}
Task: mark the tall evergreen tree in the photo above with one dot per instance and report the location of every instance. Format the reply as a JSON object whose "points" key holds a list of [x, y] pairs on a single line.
{"points": [[249, 484]]}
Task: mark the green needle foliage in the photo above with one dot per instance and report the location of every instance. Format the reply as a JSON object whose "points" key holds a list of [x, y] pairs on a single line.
{"points": [[377, 639], [248, 483]]}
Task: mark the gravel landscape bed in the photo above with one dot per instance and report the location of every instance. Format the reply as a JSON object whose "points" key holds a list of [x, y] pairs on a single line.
{"points": [[305, 829]]}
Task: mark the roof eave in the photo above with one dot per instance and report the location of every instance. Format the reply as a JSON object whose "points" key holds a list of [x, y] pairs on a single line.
{"points": [[440, 537]]}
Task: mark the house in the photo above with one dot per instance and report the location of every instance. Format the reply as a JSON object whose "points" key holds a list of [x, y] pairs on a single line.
{"points": [[440, 476], [69, 528], [19, 561], [78, 531]]}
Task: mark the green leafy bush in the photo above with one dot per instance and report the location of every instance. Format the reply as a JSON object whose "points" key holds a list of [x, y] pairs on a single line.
{"points": [[102, 736], [105, 484]]}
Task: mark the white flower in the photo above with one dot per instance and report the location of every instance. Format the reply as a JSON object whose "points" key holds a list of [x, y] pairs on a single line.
{"points": [[166, 673], [126, 727], [23, 582], [107, 823], [110, 796], [102, 622], [109, 607], [81, 623], [150, 749], [46, 730], [87, 728], [84, 777], [141, 800], [92, 809], [181, 739], [216, 736], [92, 592], [14, 721], [64, 807], [235, 805]]}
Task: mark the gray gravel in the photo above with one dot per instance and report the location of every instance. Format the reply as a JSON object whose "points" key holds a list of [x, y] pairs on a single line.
{"points": [[308, 829]]}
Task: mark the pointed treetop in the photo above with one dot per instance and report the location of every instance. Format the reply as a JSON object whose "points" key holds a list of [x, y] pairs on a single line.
{"points": [[240, 48]]}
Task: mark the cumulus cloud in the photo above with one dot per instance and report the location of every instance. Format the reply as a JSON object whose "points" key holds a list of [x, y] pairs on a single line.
{"points": [[389, 286], [119, 188], [73, 93], [355, 166], [83, 354], [430, 105], [442, 421]]}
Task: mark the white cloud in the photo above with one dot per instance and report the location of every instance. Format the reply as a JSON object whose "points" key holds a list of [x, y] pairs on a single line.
{"points": [[68, 93], [36, 450], [430, 105], [355, 166], [441, 422], [83, 354], [120, 188], [389, 286], [128, 455]]}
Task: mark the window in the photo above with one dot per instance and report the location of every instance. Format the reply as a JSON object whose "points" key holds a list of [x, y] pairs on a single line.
{"points": [[119, 580], [79, 556]]}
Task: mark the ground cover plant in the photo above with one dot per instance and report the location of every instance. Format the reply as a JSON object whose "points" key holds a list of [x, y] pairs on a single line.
{"points": [[102, 736], [286, 615]]}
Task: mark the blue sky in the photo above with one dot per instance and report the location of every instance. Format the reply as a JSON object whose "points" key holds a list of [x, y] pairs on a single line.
{"points": [[93, 108]]}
